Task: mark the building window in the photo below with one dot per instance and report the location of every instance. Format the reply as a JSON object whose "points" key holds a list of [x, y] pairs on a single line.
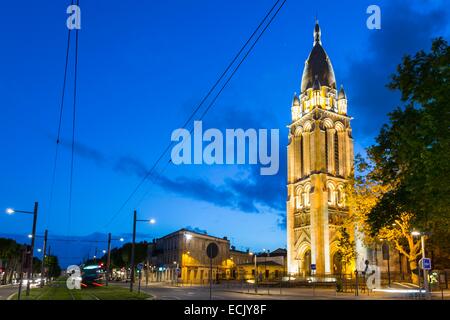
{"points": [[336, 153], [340, 197], [301, 157], [330, 195], [326, 150]]}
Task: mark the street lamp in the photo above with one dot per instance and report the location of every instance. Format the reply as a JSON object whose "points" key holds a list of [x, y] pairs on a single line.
{"points": [[135, 219], [416, 233], [43, 257], [32, 237], [256, 271]]}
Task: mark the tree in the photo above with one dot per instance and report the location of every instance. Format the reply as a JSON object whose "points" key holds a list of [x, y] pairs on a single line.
{"points": [[347, 249], [411, 157], [52, 263], [399, 233], [362, 195], [10, 255]]}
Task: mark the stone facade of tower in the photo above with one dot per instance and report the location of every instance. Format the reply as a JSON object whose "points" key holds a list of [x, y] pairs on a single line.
{"points": [[320, 159]]}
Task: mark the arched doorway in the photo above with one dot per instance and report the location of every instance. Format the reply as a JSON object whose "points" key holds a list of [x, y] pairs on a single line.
{"points": [[306, 263]]}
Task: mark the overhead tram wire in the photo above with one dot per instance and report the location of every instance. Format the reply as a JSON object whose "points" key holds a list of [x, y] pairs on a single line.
{"points": [[58, 136], [73, 129], [240, 63], [223, 87], [149, 173]]}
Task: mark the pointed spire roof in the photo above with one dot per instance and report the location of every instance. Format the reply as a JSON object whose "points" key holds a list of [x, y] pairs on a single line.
{"points": [[318, 63], [342, 94], [317, 34], [316, 85], [296, 100]]}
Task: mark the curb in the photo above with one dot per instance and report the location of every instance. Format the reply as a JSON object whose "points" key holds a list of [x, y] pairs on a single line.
{"points": [[10, 296], [253, 293]]}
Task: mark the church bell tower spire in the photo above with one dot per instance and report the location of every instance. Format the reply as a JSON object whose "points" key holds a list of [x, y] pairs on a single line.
{"points": [[320, 160]]}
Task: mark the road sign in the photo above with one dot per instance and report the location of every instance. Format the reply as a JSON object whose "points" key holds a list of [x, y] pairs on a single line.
{"points": [[313, 267], [212, 250], [425, 263], [140, 266]]}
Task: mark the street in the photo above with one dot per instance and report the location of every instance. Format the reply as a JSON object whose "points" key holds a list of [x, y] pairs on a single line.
{"points": [[7, 290], [161, 291]]}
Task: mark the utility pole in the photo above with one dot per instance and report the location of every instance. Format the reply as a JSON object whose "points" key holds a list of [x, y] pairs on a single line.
{"points": [[33, 236], [49, 254], [132, 251], [23, 262], [256, 274], [108, 259], [44, 251], [425, 272]]}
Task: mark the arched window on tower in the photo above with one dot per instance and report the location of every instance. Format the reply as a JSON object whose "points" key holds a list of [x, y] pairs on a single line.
{"points": [[306, 196], [331, 194], [299, 200], [326, 151], [336, 153], [301, 157], [340, 196]]}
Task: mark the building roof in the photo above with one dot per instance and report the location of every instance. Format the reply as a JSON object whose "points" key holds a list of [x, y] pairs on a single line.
{"points": [[318, 64], [278, 252], [239, 251], [267, 263], [203, 235]]}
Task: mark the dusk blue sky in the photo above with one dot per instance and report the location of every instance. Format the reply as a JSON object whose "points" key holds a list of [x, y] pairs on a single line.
{"points": [[143, 67]]}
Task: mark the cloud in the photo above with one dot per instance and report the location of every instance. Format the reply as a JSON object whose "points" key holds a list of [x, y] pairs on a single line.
{"points": [[130, 166], [252, 194], [201, 189], [247, 192], [195, 229], [404, 30]]}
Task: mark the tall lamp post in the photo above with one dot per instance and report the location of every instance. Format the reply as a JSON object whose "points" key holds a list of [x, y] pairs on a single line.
{"points": [[256, 271], [150, 221], [185, 258], [108, 259], [422, 243], [44, 252], [33, 236]]}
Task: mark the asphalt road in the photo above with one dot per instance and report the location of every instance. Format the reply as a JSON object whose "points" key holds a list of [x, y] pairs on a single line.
{"points": [[6, 291], [166, 292]]}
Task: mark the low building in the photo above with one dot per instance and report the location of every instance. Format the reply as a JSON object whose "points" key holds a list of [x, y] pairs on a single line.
{"points": [[239, 258], [266, 270], [181, 256]]}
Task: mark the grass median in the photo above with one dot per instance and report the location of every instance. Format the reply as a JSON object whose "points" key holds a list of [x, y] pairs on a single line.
{"points": [[58, 290]]}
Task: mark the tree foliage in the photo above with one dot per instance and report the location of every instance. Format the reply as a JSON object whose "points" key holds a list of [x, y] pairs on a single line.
{"points": [[411, 156], [121, 257]]}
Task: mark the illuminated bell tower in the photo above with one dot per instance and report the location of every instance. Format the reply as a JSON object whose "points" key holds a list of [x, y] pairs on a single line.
{"points": [[320, 159]]}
